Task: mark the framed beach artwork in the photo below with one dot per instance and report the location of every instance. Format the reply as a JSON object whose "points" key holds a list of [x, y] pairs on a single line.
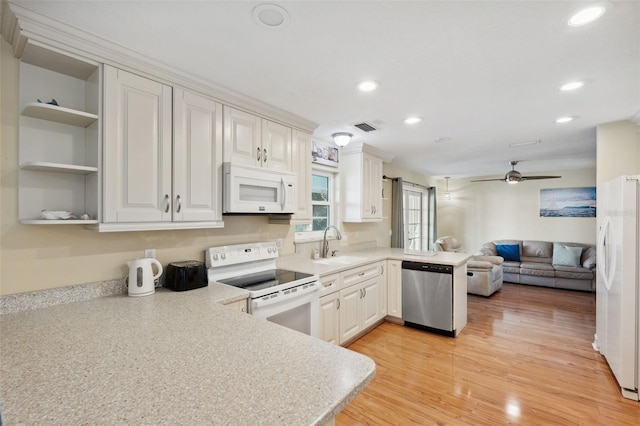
{"points": [[323, 154], [568, 202]]}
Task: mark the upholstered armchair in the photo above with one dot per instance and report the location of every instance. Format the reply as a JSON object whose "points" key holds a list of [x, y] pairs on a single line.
{"points": [[484, 273]]}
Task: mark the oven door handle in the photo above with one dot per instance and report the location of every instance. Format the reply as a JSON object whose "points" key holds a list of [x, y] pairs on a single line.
{"points": [[284, 295]]}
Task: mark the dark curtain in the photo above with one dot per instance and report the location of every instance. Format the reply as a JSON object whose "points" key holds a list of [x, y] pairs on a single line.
{"points": [[397, 213]]}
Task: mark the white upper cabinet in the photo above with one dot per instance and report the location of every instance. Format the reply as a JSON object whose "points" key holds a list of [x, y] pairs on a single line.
{"points": [[242, 137], [255, 141], [163, 155], [361, 176], [197, 157], [137, 149], [58, 144], [301, 165]]}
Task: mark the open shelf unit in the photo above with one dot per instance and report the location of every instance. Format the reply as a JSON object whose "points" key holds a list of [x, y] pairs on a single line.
{"points": [[59, 114], [59, 145]]}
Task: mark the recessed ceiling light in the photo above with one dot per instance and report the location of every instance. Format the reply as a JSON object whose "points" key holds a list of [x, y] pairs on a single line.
{"points": [[588, 14], [562, 120], [571, 86], [368, 86], [412, 120], [270, 15]]}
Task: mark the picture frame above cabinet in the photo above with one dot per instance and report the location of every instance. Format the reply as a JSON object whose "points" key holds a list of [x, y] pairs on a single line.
{"points": [[59, 137]]}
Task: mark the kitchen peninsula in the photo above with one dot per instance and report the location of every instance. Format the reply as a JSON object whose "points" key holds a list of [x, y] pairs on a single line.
{"points": [[169, 358]]}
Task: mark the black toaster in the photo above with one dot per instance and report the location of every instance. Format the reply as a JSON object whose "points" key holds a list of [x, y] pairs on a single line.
{"points": [[187, 275]]}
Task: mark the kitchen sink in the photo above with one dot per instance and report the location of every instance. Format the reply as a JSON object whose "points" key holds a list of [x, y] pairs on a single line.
{"points": [[340, 260]]}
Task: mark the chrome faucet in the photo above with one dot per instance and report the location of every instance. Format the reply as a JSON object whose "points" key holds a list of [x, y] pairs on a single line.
{"points": [[325, 243]]}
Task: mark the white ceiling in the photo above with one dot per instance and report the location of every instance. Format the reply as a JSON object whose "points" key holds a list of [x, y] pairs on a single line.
{"points": [[483, 73]]}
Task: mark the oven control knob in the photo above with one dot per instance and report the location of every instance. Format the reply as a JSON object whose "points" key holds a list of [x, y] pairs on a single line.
{"points": [[215, 256], [268, 249], [223, 256]]}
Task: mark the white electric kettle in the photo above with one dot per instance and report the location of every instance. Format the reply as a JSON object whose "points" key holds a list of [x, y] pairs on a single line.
{"points": [[141, 277]]}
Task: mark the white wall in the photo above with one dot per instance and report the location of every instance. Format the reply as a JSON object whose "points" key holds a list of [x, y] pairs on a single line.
{"points": [[484, 211], [618, 149]]}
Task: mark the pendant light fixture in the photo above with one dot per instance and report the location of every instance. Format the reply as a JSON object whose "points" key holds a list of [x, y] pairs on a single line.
{"points": [[342, 138], [447, 194]]}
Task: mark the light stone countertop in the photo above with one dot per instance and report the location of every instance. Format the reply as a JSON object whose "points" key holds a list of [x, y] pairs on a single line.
{"points": [[324, 267], [169, 358]]}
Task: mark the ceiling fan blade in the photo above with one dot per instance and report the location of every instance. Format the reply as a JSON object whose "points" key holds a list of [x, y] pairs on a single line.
{"points": [[488, 180], [539, 177]]}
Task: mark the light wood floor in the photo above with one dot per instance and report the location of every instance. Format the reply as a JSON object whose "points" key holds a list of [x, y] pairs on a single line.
{"points": [[525, 357]]}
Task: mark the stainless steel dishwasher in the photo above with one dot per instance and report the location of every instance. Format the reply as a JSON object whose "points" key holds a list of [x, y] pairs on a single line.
{"points": [[427, 297]]}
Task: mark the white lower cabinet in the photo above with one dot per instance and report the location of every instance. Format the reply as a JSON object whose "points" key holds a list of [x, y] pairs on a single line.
{"points": [[330, 318], [394, 288], [352, 301]]}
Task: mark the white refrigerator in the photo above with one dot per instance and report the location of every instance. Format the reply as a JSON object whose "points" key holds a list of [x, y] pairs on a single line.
{"points": [[617, 283]]}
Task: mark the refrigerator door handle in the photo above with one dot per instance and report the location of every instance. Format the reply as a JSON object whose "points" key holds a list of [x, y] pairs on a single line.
{"points": [[607, 270]]}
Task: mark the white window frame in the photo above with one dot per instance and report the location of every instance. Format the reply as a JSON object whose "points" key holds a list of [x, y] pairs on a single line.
{"points": [[332, 203], [424, 243]]}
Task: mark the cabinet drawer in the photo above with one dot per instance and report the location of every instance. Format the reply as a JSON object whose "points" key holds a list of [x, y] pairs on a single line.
{"points": [[361, 273], [329, 284]]}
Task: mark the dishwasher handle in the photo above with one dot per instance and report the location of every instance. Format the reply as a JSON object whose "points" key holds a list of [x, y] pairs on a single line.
{"points": [[428, 267]]}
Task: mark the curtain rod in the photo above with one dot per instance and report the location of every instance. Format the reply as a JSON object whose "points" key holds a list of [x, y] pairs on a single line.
{"points": [[406, 181]]}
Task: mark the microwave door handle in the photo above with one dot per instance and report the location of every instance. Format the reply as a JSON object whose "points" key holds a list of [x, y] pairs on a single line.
{"points": [[284, 192]]}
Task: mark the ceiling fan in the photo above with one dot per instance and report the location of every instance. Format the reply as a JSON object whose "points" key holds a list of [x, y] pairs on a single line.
{"points": [[514, 176]]}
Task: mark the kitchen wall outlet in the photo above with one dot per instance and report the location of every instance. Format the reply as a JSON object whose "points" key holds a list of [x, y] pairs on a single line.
{"points": [[279, 243], [150, 253]]}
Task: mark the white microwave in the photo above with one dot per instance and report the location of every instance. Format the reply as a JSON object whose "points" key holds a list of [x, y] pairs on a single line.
{"points": [[256, 190]]}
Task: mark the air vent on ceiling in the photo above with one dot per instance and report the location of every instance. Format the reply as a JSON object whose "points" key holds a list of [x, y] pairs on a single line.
{"points": [[365, 127]]}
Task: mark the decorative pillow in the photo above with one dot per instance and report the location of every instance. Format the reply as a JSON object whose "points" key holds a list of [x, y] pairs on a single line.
{"points": [[510, 252], [565, 255]]}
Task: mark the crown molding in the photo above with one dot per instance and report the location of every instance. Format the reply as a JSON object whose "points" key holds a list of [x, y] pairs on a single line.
{"points": [[20, 24], [358, 147]]}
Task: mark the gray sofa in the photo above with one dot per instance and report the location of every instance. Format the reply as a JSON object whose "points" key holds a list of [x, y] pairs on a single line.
{"points": [[572, 267]]}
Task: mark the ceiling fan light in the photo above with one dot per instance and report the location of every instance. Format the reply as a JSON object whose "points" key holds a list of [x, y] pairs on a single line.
{"points": [[341, 138]]}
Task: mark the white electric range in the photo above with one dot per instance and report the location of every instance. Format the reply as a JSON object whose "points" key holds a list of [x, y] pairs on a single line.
{"points": [[281, 296]]}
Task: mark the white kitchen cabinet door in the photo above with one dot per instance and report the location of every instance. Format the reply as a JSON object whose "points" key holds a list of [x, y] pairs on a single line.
{"points": [[330, 318], [242, 137], [370, 311], [372, 187], [137, 148], [350, 302], [361, 177], [276, 146], [301, 165], [394, 288], [197, 158]]}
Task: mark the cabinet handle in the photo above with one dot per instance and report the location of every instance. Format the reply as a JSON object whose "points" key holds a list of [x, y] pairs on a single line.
{"points": [[365, 292], [244, 309], [338, 304], [264, 154], [329, 284], [179, 202], [167, 203], [361, 274], [361, 294], [259, 157]]}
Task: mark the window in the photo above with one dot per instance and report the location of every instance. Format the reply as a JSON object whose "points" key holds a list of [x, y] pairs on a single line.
{"points": [[322, 205], [419, 217]]}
